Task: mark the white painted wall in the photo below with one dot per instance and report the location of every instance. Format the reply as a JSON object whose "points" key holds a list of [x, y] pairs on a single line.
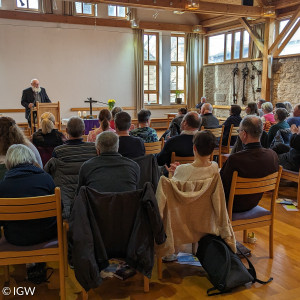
{"points": [[72, 62]]}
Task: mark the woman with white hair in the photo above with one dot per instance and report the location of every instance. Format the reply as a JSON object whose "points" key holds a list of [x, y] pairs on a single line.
{"points": [[48, 137], [25, 179], [267, 109]]}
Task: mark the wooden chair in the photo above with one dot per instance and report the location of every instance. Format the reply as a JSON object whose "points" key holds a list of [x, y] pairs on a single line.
{"points": [[29, 208], [155, 147], [182, 159], [41, 108], [25, 129], [294, 177], [218, 133], [233, 132], [257, 216]]}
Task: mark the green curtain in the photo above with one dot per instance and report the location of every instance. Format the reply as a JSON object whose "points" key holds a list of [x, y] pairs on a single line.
{"points": [[194, 64], [138, 40]]}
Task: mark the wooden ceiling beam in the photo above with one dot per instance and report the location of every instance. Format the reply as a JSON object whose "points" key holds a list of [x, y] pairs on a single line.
{"points": [[284, 32], [16, 15], [217, 21], [204, 7], [286, 3], [253, 35]]}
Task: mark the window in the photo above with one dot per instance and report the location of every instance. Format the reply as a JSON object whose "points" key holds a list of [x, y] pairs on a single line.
{"points": [[85, 9], [27, 4], [293, 46], [151, 67], [233, 45], [117, 11], [178, 63]]}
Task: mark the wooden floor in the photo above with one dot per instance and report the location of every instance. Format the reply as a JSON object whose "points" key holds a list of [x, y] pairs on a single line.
{"points": [[181, 282]]}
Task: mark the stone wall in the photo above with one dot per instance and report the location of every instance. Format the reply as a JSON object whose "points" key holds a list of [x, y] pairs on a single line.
{"points": [[285, 83]]}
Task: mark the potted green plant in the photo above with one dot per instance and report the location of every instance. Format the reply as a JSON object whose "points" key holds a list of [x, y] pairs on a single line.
{"points": [[178, 99]]}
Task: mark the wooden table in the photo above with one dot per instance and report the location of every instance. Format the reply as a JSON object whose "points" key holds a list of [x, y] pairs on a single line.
{"points": [[170, 117]]}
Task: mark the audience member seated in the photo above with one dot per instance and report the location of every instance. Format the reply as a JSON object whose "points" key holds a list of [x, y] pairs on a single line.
{"points": [[279, 105], [182, 144], [260, 112], [289, 108], [68, 158], [267, 109], [99, 172], [11, 134], [235, 119], [114, 111], [199, 105], [291, 159], [47, 138], [252, 110], [129, 146], [194, 197], [281, 123], [208, 120], [296, 116], [252, 162], [148, 134], [174, 128], [104, 119], [25, 179]]}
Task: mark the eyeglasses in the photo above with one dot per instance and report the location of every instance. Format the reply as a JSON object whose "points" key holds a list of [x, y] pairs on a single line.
{"points": [[240, 130]]}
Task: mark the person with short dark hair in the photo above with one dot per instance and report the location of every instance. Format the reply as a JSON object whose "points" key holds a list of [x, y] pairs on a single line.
{"points": [[280, 118], [280, 105], [260, 102], [252, 109], [99, 172], [181, 144], [252, 162], [233, 119], [296, 116], [104, 119], [129, 146], [148, 134], [114, 111]]}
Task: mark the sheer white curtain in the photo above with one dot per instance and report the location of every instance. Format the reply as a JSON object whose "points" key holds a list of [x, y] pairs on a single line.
{"points": [[139, 67], [193, 69]]}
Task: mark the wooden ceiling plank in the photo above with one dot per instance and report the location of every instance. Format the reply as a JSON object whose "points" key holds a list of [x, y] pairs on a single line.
{"points": [[16, 15], [287, 39], [286, 3], [286, 29], [204, 7], [253, 35], [217, 21]]}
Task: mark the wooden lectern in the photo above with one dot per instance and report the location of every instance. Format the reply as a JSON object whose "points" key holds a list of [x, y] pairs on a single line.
{"points": [[41, 108]]}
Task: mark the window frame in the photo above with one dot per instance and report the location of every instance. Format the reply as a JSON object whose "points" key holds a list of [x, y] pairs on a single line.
{"points": [[178, 64], [233, 38], [152, 63], [26, 8], [118, 17], [93, 14]]}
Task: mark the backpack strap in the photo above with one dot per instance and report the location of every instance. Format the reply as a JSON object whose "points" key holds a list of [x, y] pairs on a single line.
{"points": [[252, 271]]}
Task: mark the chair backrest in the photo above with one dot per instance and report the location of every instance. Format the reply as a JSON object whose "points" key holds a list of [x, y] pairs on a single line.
{"points": [[217, 132], [29, 208], [246, 186], [155, 147], [233, 132], [182, 159], [53, 108]]}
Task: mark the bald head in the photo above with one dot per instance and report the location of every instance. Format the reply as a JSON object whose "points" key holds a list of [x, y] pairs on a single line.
{"points": [[191, 121], [252, 126]]}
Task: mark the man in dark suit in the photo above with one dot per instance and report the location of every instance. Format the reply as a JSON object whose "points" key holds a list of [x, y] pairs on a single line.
{"points": [[181, 144], [33, 94], [253, 161]]}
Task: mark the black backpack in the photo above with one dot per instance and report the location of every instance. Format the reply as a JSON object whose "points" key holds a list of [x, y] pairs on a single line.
{"points": [[224, 268]]}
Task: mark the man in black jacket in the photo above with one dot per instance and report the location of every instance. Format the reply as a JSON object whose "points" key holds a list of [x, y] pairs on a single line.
{"points": [[33, 94]]}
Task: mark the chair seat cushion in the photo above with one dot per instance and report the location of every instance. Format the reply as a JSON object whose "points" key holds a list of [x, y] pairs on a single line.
{"points": [[255, 212], [6, 246]]}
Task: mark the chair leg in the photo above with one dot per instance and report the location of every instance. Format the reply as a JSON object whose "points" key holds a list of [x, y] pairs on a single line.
{"points": [[6, 273], [62, 279], [271, 242], [194, 248], [146, 284], [65, 246], [298, 194], [245, 236], [159, 268], [83, 295]]}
